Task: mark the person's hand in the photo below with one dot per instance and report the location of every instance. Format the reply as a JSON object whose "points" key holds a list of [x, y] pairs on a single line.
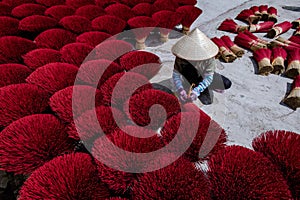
{"points": [[193, 96], [182, 95]]}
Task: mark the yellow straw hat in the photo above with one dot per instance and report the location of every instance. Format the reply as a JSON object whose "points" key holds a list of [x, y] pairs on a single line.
{"points": [[195, 46]]}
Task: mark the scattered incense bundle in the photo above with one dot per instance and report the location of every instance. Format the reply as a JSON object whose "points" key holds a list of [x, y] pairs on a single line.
{"points": [[293, 68], [254, 37], [189, 15], [278, 57], [142, 26], [262, 27], [263, 57], [230, 26], [288, 42], [279, 29], [272, 14], [224, 51], [248, 15], [263, 9], [238, 51], [166, 20], [245, 41], [255, 10], [296, 23], [293, 99]]}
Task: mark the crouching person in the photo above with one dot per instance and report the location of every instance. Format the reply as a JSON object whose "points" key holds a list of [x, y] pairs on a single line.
{"points": [[195, 66]]}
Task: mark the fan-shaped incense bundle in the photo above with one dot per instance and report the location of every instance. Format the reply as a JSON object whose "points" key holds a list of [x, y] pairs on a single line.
{"points": [[293, 68], [189, 15], [238, 51], [293, 99], [224, 51], [261, 27], [142, 26], [248, 15], [230, 26], [272, 14], [167, 20], [263, 9], [279, 29], [143, 9], [278, 57], [296, 23], [245, 41], [60, 11], [263, 57]]}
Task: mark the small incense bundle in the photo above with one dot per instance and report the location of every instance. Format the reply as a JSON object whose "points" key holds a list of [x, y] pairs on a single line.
{"points": [[254, 37], [248, 15], [142, 26], [279, 29], [166, 20], [263, 9], [293, 68], [296, 23], [262, 27], [230, 26], [245, 41], [189, 15], [224, 51], [255, 10], [288, 42], [272, 14], [263, 57], [278, 57], [293, 99], [238, 51]]}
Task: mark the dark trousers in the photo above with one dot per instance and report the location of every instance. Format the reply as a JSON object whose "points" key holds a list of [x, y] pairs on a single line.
{"points": [[219, 82]]}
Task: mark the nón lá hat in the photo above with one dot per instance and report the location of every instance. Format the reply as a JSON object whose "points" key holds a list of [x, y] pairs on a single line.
{"points": [[195, 46]]}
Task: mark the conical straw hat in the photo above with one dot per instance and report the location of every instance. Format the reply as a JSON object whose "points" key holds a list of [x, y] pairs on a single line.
{"points": [[195, 46]]}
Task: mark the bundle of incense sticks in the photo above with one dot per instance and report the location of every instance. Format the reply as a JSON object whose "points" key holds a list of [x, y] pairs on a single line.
{"points": [[248, 16], [272, 14], [279, 55], [245, 41], [255, 10], [238, 51], [262, 27], [230, 26], [279, 29], [293, 99], [293, 68], [263, 9], [224, 51], [263, 58]]}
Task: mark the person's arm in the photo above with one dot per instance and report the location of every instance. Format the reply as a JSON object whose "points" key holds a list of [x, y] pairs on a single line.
{"points": [[208, 77], [177, 80], [203, 84]]}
